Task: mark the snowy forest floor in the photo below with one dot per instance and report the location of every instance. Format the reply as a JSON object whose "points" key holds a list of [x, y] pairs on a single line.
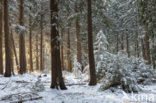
{"points": [[75, 93]]}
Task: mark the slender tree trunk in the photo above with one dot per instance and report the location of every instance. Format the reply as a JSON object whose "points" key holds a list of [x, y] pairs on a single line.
{"points": [[14, 50], [62, 53], [30, 44], [43, 59], [79, 49], [37, 50], [12, 56], [117, 45], [122, 42], [1, 37], [127, 42], [22, 51], [147, 43], [57, 78], [13, 73], [153, 52], [137, 45], [41, 45], [93, 80], [143, 49], [68, 52], [8, 58]]}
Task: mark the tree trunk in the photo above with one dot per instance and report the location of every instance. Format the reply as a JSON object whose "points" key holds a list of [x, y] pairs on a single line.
{"points": [[93, 80], [1, 37], [143, 49], [14, 50], [22, 51], [117, 45], [57, 78], [12, 56], [147, 43], [62, 53], [30, 43], [122, 42], [41, 44], [153, 51], [137, 46], [68, 52], [127, 42], [8, 58], [79, 49], [37, 50]]}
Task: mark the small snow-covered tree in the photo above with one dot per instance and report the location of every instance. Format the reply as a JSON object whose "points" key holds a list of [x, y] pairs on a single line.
{"points": [[100, 47], [77, 67]]}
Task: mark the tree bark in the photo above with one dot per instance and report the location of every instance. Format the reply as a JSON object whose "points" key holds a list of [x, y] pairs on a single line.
{"points": [[22, 51], [57, 79], [127, 42], [8, 56], [12, 56], [153, 51], [41, 44], [62, 53], [30, 43], [1, 37], [68, 52], [147, 45], [137, 46], [79, 49], [122, 42], [93, 80], [143, 49], [37, 50], [14, 50], [117, 45]]}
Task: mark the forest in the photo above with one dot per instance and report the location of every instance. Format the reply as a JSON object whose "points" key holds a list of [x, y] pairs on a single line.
{"points": [[77, 51]]}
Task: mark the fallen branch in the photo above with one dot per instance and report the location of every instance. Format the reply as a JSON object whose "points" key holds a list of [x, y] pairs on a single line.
{"points": [[21, 97], [76, 84], [25, 100], [21, 82]]}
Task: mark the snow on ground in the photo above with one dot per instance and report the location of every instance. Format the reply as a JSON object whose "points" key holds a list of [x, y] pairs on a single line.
{"points": [[75, 93]]}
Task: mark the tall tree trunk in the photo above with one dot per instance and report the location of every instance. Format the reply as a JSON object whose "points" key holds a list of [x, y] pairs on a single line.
{"points": [[14, 50], [68, 52], [22, 51], [93, 80], [12, 56], [147, 43], [41, 44], [62, 53], [1, 37], [117, 45], [153, 52], [127, 42], [57, 78], [122, 42], [30, 43], [8, 57], [137, 45], [79, 48], [143, 49], [37, 50]]}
